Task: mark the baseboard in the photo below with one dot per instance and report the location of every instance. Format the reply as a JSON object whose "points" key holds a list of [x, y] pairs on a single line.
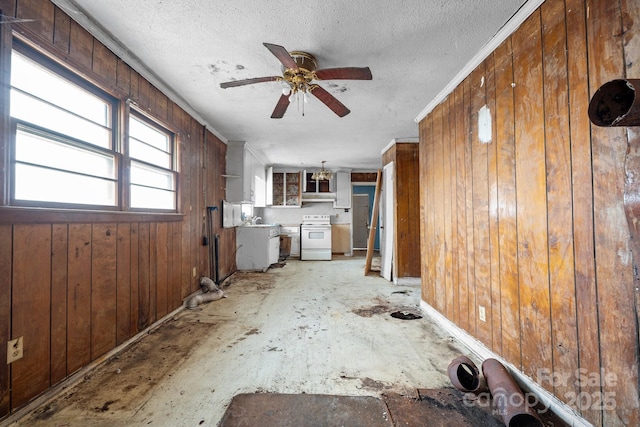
{"points": [[480, 351], [78, 376], [407, 281]]}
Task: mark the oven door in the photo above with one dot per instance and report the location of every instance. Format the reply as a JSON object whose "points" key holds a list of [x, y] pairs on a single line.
{"points": [[315, 242]]}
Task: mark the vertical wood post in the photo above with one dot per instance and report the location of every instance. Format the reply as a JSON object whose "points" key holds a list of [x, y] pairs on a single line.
{"points": [[374, 222]]}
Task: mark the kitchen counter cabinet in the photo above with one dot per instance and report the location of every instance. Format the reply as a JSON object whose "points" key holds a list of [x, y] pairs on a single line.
{"points": [[257, 247]]}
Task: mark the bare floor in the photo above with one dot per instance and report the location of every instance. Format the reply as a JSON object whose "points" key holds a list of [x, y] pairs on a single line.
{"points": [[314, 327]]}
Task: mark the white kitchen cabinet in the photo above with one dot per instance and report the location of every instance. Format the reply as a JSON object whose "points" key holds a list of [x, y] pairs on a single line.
{"points": [[284, 188], [343, 190], [257, 247], [246, 181]]}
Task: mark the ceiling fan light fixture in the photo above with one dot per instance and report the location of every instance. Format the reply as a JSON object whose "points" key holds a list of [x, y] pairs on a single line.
{"points": [[299, 70]]}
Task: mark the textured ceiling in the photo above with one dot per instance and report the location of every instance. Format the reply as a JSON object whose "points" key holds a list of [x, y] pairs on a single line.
{"points": [[414, 48]]}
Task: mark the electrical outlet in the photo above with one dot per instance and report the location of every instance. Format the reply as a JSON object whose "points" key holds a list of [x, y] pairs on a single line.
{"points": [[195, 272], [482, 313], [14, 350]]}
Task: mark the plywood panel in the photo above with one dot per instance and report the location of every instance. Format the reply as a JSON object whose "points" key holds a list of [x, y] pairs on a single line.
{"points": [[505, 146], [533, 263], [42, 14], [559, 204], [493, 313], [437, 186], [105, 64], [59, 280], [582, 195], [8, 7], [79, 297], [62, 30], [461, 209], [6, 239], [176, 262], [144, 295], [123, 78], [162, 283], [453, 195], [429, 288], [480, 200], [446, 209], [153, 272], [31, 310], [135, 279], [123, 283], [103, 289], [468, 200], [80, 45], [618, 335]]}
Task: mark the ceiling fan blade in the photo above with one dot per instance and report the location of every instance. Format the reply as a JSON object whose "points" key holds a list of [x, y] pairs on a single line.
{"points": [[244, 82], [329, 100], [347, 73], [281, 107], [282, 55]]}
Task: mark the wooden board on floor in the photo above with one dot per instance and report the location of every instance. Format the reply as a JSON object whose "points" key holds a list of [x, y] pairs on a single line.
{"points": [[311, 410]]}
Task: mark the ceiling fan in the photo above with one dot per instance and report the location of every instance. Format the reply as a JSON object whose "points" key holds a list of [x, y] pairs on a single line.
{"points": [[299, 71]]}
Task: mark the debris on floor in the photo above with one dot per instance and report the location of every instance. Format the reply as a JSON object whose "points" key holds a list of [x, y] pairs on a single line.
{"points": [[405, 315]]}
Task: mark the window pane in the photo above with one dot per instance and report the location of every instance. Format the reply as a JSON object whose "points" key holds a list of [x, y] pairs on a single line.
{"points": [[151, 177], [148, 134], [31, 110], [35, 79], [32, 148], [152, 198], [141, 151], [38, 184]]}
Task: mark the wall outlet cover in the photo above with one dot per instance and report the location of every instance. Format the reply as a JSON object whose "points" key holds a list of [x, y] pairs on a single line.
{"points": [[14, 350]]}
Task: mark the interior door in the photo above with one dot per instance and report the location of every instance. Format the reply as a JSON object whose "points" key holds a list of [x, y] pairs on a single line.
{"points": [[387, 202], [360, 220]]}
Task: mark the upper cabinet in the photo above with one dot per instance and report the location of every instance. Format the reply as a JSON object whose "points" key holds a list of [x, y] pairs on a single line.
{"points": [[284, 188], [246, 179], [343, 190]]}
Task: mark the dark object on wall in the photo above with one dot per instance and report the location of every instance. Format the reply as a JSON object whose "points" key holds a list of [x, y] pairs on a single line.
{"points": [[465, 375], [615, 104], [509, 400]]}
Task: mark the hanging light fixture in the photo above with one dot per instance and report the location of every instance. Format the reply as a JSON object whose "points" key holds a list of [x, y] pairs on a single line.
{"points": [[322, 174]]}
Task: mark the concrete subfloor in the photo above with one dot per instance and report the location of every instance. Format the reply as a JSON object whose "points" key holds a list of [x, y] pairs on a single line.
{"points": [[315, 327]]}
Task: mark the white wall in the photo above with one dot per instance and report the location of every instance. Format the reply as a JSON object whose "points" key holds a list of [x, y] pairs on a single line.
{"points": [[293, 216]]}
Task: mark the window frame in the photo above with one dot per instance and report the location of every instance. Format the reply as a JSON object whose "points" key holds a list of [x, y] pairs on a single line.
{"points": [[24, 211], [133, 111]]}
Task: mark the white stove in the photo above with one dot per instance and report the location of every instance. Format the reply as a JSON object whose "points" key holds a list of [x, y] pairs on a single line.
{"points": [[315, 237]]}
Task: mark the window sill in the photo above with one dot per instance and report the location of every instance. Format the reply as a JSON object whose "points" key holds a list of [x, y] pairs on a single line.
{"points": [[24, 215]]}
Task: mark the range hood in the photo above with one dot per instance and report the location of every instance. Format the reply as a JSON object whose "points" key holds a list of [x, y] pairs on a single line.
{"points": [[318, 197]]}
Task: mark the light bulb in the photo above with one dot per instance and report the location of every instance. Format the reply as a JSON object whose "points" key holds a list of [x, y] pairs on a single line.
{"points": [[286, 91], [305, 98]]}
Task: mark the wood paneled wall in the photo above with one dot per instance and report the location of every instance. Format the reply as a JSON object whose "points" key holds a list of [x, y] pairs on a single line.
{"points": [[532, 225], [406, 262], [77, 285]]}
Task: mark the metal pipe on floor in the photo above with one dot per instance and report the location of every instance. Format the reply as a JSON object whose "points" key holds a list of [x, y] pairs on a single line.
{"points": [[507, 396], [616, 103], [465, 375], [196, 300]]}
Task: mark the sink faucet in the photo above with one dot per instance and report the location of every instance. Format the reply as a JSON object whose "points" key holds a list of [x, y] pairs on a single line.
{"points": [[255, 219]]}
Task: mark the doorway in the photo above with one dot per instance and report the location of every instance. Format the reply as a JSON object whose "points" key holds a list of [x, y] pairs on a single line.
{"points": [[369, 191], [361, 221]]}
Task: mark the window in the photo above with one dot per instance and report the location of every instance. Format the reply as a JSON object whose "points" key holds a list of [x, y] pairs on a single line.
{"points": [[153, 176], [67, 150], [63, 150]]}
